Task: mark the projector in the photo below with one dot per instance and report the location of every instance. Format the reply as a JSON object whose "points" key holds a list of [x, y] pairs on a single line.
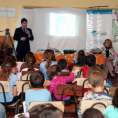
{"points": [[69, 51]]}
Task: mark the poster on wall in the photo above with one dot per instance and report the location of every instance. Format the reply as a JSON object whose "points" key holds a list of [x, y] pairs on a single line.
{"points": [[115, 30], [98, 28]]}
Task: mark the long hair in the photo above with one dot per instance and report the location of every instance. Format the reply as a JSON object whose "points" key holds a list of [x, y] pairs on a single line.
{"points": [[115, 99], [48, 55], [30, 61], [6, 69], [110, 43]]}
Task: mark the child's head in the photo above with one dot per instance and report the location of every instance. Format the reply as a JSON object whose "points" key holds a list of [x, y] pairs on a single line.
{"points": [[96, 68], [9, 51], [81, 59], [44, 110], [37, 79], [115, 99], [27, 54], [96, 80], [62, 63], [30, 61], [7, 67], [48, 55], [54, 71], [81, 52], [92, 113], [90, 60]]}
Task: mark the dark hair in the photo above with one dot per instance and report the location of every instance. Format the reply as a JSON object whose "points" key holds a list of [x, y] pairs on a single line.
{"points": [[81, 52], [90, 60], [53, 71], [48, 55], [81, 60], [27, 54], [30, 61], [6, 69], [45, 110], [37, 79], [50, 112], [9, 51], [96, 78], [92, 113], [62, 63], [115, 99], [23, 20]]}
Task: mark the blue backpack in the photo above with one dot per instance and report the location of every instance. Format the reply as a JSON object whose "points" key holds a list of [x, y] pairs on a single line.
{"points": [[108, 83]]}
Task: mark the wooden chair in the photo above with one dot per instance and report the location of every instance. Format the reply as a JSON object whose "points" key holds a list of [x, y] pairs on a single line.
{"points": [[5, 88], [26, 75], [25, 66], [71, 90], [58, 104], [84, 82], [98, 104], [22, 87]]}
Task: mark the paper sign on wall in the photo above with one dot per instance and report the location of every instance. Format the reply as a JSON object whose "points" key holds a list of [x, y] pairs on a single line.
{"points": [[98, 27], [7, 12]]}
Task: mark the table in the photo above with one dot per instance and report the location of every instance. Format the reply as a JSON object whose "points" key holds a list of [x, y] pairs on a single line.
{"points": [[69, 57]]}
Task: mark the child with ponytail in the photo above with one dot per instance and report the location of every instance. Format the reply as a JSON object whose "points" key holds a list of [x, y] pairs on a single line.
{"points": [[49, 61], [7, 74]]}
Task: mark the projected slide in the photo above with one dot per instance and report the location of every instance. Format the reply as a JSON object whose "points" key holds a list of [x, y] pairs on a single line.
{"points": [[62, 24]]}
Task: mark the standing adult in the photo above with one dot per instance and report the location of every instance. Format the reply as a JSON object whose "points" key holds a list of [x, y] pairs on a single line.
{"points": [[23, 35], [108, 53]]}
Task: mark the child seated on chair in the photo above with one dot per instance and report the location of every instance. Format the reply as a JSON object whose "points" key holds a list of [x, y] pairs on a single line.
{"points": [[54, 75], [75, 60], [96, 83], [7, 74], [90, 61], [37, 93], [9, 53], [112, 110], [63, 64], [30, 61]]}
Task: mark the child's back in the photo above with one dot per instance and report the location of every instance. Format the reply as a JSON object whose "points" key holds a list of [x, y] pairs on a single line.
{"points": [[37, 93]]}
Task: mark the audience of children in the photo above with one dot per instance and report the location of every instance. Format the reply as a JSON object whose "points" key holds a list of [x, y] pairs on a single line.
{"points": [[7, 74], [112, 110], [42, 90], [49, 61], [96, 83], [63, 64], [92, 113], [37, 93], [54, 75]]}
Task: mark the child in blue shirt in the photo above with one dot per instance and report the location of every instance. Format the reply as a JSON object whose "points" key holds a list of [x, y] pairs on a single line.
{"points": [[49, 61], [37, 93], [112, 110], [7, 74]]}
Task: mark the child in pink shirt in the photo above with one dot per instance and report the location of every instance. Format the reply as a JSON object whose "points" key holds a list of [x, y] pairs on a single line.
{"points": [[54, 75]]}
